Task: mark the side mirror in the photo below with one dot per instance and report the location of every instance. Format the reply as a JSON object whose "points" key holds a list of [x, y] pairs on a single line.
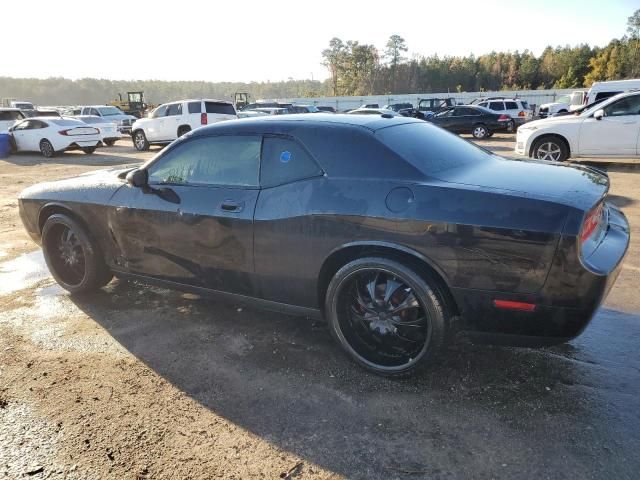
{"points": [[138, 178], [10, 129], [598, 114]]}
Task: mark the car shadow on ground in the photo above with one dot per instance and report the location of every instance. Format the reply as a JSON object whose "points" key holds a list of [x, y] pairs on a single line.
{"points": [[476, 414]]}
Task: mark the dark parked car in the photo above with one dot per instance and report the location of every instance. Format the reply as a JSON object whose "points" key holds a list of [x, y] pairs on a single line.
{"points": [[327, 109], [400, 234], [428, 107], [478, 121]]}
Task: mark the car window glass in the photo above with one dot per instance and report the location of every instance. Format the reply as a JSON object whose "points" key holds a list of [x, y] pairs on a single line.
{"points": [[223, 160], [483, 104], [511, 105], [219, 107], [159, 112], [472, 111], [174, 109], [496, 105], [195, 107], [603, 95], [624, 106], [22, 125], [93, 111], [284, 161]]}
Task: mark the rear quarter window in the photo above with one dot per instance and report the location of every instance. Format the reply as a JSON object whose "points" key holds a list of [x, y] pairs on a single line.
{"points": [[195, 107], [284, 161], [220, 108], [511, 105]]}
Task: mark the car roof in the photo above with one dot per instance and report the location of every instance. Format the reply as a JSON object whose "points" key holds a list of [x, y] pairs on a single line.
{"points": [[9, 109], [368, 122]]}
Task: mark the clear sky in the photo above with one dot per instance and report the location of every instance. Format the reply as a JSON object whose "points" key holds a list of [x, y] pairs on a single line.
{"points": [[276, 39]]}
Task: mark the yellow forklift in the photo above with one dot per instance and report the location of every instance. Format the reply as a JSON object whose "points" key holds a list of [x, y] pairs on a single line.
{"points": [[133, 105]]}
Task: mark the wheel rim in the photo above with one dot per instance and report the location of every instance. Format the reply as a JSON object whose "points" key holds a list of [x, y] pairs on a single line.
{"points": [[548, 151], [511, 127], [479, 132], [46, 149], [139, 140], [382, 319], [66, 255]]}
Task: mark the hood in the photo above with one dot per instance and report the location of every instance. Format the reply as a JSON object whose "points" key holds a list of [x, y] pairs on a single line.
{"points": [[92, 187], [543, 122], [552, 104], [575, 186]]}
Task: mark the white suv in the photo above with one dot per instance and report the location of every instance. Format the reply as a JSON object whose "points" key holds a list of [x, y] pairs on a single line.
{"points": [[172, 120], [9, 116], [610, 128], [517, 109]]}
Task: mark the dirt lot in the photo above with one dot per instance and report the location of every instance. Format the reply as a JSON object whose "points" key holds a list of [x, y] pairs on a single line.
{"points": [[137, 382]]}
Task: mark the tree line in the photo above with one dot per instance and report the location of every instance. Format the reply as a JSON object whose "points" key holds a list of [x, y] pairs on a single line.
{"points": [[361, 69]]}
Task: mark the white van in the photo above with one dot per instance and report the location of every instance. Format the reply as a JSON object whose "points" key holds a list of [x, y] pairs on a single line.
{"points": [[601, 90]]}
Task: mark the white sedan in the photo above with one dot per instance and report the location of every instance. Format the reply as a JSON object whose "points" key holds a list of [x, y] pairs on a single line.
{"points": [[108, 129], [610, 128], [52, 135]]}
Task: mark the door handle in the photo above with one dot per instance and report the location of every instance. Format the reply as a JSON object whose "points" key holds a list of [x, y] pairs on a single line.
{"points": [[231, 206]]}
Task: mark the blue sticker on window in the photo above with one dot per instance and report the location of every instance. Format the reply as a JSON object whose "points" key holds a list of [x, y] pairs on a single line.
{"points": [[285, 156]]}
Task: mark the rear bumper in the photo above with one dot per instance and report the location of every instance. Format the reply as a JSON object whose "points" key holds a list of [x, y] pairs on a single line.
{"points": [[564, 306]]}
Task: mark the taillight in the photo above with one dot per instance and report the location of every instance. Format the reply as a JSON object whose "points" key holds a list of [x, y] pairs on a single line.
{"points": [[203, 119], [503, 118], [521, 114], [64, 132], [591, 222]]}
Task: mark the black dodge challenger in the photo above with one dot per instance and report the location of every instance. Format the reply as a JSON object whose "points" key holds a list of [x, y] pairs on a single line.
{"points": [[399, 233]]}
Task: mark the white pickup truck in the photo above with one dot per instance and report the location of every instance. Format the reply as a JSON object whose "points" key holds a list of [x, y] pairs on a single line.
{"points": [[563, 104]]}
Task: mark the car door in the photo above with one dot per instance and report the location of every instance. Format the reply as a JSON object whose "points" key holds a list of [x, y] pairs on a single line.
{"points": [[153, 129], [171, 121], [193, 224], [445, 119], [20, 135], [616, 133]]}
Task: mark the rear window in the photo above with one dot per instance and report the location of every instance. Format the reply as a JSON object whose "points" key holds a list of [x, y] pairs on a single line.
{"points": [[10, 115], [219, 107], [496, 106], [429, 148], [511, 105], [67, 123], [195, 107]]}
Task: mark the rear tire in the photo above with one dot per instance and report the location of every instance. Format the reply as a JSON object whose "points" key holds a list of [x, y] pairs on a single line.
{"points": [[551, 149], [480, 131], [140, 141], [88, 150], [73, 258], [184, 129], [110, 143], [46, 148], [511, 126], [386, 317]]}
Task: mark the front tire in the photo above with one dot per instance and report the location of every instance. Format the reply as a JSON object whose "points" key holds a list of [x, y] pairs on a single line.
{"points": [[140, 141], [46, 148], [480, 132], [551, 149], [88, 150], [110, 143], [73, 258], [385, 316]]}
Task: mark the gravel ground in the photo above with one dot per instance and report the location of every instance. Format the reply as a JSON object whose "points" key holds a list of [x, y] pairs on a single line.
{"points": [[140, 382]]}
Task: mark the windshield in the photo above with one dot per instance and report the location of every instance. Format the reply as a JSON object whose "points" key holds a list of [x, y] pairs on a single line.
{"points": [[597, 106], [106, 111], [564, 99]]}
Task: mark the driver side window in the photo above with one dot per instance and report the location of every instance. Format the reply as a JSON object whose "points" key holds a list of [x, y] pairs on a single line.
{"points": [[224, 160], [160, 111], [624, 106]]}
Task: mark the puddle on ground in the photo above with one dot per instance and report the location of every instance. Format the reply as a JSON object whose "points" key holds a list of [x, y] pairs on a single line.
{"points": [[22, 272]]}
